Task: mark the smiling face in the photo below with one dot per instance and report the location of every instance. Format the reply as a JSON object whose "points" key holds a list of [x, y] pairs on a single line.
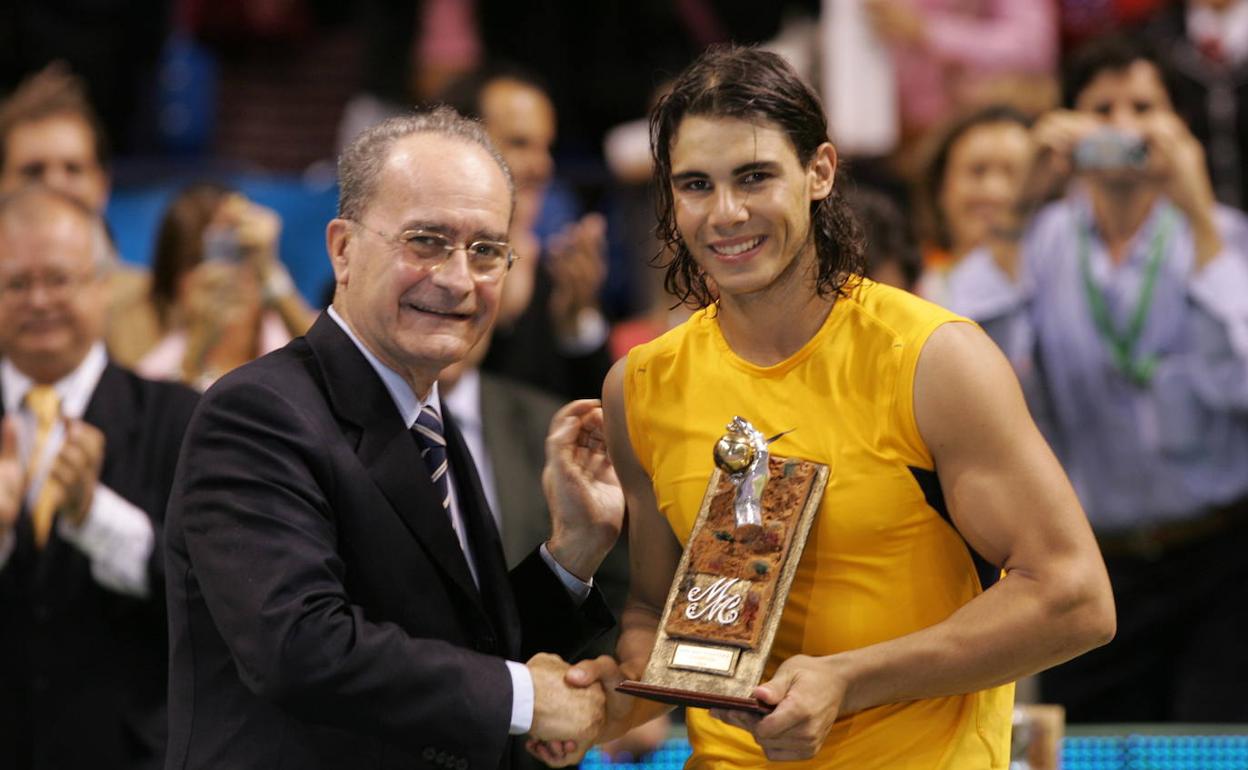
{"points": [[53, 297], [983, 179], [742, 203], [418, 320], [520, 120], [58, 151]]}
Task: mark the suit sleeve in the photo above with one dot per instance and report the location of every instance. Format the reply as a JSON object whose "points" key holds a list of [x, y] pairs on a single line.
{"points": [[261, 537], [550, 620]]}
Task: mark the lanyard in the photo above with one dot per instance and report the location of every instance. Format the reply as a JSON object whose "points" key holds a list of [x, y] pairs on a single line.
{"points": [[1121, 344]]}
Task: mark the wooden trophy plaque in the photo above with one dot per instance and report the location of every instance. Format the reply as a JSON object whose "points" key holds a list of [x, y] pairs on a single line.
{"points": [[725, 604]]}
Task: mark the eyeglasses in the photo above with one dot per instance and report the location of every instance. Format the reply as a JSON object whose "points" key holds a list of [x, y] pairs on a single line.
{"points": [[487, 260], [57, 285]]}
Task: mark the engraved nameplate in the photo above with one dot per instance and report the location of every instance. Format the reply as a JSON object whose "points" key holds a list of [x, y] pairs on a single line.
{"points": [[696, 657]]}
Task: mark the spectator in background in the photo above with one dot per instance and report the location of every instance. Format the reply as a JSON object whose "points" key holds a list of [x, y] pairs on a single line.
{"points": [[953, 55], [550, 331], [969, 196], [891, 252], [1207, 43], [49, 133], [220, 294], [1135, 288], [86, 465]]}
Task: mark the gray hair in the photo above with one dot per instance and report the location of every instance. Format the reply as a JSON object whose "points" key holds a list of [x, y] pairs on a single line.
{"points": [[31, 203], [361, 163]]}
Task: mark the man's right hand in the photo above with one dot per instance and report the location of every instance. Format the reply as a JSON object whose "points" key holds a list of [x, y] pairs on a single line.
{"points": [[597, 674], [12, 476], [562, 712]]}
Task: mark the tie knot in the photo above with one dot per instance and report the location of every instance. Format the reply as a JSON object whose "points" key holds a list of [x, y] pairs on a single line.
{"points": [[44, 403], [429, 426]]}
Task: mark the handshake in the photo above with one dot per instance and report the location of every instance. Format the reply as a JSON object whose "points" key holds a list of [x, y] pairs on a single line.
{"points": [[574, 707]]}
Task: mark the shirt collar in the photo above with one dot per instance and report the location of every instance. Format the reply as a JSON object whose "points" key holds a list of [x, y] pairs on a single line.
{"points": [[405, 399], [75, 389], [464, 400]]}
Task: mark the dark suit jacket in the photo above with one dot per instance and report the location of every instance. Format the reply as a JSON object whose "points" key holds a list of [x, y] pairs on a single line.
{"points": [[515, 419], [82, 668], [322, 613]]}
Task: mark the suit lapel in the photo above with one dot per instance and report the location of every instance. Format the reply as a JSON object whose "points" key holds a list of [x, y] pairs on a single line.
{"points": [[483, 536], [387, 449], [112, 409]]}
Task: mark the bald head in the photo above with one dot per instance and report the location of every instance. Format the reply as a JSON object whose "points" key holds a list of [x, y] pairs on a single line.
{"points": [[53, 296]]}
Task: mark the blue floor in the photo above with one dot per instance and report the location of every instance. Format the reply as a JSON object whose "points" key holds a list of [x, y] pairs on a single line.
{"points": [[1130, 752]]}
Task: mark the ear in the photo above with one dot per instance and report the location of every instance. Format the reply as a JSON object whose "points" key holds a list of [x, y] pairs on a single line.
{"points": [[337, 237], [821, 171]]}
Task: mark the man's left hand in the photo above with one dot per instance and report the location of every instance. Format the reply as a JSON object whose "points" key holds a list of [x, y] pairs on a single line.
{"points": [[76, 470], [1178, 158], [585, 499], [808, 694]]}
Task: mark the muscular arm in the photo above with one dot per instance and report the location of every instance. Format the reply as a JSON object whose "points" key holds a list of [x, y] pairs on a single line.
{"points": [[653, 551], [1012, 503]]}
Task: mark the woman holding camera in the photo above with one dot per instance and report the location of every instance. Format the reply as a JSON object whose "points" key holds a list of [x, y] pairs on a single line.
{"points": [[219, 292]]}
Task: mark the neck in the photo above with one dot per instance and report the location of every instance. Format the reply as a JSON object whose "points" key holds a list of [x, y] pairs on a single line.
{"points": [[766, 330], [1119, 212]]}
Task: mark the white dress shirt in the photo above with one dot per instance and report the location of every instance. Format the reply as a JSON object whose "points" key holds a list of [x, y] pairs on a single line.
{"points": [[116, 536]]}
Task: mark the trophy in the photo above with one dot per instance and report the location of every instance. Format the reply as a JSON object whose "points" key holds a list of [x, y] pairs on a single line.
{"points": [[725, 603]]}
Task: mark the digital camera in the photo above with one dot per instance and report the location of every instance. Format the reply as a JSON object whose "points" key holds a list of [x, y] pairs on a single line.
{"points": [[1111, 150]]}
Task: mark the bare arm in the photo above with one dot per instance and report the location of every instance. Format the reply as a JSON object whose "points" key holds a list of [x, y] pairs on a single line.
{"points": [[1011, 501]]}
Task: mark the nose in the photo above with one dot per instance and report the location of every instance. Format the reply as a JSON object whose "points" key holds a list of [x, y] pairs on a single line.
{"points": [[1123, 118], [453, 274], [999, 187], [728, 209]]}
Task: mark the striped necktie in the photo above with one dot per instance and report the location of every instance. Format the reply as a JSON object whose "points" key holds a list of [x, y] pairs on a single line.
{"points": [[432, 442]]}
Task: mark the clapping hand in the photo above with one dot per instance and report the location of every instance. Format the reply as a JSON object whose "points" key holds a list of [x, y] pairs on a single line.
{"points": [[584, 495]]}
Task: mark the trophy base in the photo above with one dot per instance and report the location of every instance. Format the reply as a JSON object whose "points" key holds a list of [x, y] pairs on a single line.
{"points": [[692, 698]]}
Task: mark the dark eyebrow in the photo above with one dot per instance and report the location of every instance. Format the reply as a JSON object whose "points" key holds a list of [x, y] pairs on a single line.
{"points": [[758, 165], [685, 176]]}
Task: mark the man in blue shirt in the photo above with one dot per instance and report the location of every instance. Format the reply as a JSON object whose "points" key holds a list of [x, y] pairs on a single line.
{"points": [[1128, 325]]}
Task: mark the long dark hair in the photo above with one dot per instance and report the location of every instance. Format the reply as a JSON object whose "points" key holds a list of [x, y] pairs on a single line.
{"points": [[179, 242], [746, 83]]}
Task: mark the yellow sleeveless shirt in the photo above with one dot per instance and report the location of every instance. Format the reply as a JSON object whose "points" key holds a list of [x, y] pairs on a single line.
{"points": [[880, 561]]}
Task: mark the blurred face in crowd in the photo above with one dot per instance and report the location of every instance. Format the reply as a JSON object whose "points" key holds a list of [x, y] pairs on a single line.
{"points": [[983, 178], [419, 319], [53, 296], [1124, 99], [742, 202], [58, 151], [520, 120]]}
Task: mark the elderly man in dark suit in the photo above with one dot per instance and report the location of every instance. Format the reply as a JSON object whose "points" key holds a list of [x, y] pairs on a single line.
{"points": [[338, 594], [86, 463]]}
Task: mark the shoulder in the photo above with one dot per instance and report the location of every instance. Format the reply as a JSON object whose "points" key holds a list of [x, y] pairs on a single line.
{"points": [[894, 315], [534, 404], [671, 343], [151, 399], [1232, 225]]}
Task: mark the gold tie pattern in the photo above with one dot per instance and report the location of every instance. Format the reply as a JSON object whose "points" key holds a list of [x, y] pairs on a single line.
{"points": [[45, 405]]}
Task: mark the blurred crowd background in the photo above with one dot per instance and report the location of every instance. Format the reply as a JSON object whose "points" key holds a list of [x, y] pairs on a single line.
{"points": [[207, 133]]}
